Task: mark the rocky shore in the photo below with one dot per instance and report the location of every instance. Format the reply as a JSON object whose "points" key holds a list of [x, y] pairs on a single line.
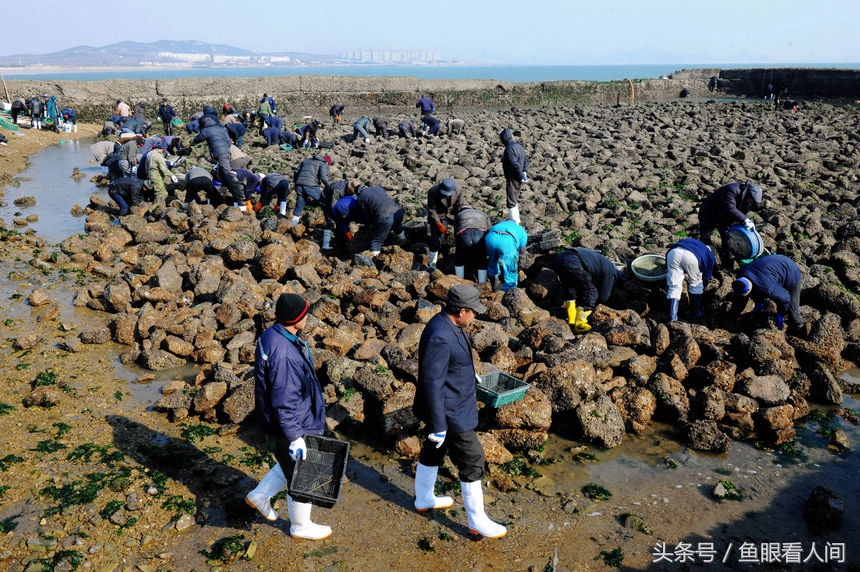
{"points": [[197, 283]]}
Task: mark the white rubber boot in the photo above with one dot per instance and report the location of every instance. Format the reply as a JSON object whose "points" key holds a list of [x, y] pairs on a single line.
{"points": [[261, 497], [374, 253], [431, 260], [300, 522], [459, 271], [74, 127], [326, 245], [241, 206], [283, 208], [294, 220], [482, 276], [515, 214], [425, 480], [479, 522]]}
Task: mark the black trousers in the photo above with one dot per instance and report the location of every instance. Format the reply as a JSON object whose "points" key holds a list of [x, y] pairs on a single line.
{"points": [[465, 451]]}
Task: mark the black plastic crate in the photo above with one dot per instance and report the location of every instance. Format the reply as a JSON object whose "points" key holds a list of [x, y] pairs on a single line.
{"points": [[497, 389], [318, 477]]}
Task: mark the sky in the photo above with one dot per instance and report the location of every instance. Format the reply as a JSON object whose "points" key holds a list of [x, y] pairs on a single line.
{"points": [[515, 32]]}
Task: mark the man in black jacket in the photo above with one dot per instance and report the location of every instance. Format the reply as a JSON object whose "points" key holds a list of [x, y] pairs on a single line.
{"points": [[514, 165]]}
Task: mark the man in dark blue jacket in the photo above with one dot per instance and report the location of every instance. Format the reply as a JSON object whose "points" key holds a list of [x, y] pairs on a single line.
{"points": [[289, 405], [426, 105], [588, 278], [167, 115], [514, 165], [218, 141], [726, 206], [694, 259], [775, 277], [446, 401]]}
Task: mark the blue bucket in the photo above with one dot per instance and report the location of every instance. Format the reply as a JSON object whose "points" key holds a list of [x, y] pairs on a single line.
{"points": [[744, 244]]}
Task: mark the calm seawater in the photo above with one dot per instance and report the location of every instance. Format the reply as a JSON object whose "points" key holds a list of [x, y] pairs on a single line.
{"points": [[499, 73]]}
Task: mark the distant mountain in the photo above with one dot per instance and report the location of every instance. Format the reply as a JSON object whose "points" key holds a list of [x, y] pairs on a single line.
{"points": [[162, 52]]}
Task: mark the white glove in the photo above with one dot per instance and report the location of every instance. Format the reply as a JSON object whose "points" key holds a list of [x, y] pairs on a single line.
{"points": [[437, 438], [173, 179], [525, 178], [298, 449], [749, 223]]}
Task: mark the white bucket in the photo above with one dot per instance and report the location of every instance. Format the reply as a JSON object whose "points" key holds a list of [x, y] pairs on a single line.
{"points": [[6, 105], [67, 127]]}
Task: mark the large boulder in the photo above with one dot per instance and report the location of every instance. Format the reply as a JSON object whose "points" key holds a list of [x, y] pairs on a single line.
{"points": [[600, 422]]}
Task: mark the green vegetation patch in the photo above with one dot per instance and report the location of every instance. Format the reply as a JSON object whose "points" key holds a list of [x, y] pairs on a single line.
{"points": [[596, 492]]}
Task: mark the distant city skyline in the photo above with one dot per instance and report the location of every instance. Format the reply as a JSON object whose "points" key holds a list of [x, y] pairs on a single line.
{"points": [[544, 32]]}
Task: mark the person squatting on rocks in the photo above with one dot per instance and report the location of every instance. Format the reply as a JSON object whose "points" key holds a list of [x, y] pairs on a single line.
{"points": [[455, 126], [236, 130], [775, 277], [71, 117], [506, 241], [696, 260], [311, 178], [406, 129], [443, 201], [446, 401], [431, 125], [470, 247], [166, 115], [588, 278], [425, 105], [250, 184], [726, 206], [380, 124], [158, 173], [218, 142], [344, 212], [308, 134], [381, 213], [274, 184], [515, 165], [289, 404], [359, 129], [199, 180], [332, 193], [336, 113], [128, 192]]}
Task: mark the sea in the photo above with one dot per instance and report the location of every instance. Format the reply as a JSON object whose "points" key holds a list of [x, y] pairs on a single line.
{"points": [[488, 72]]}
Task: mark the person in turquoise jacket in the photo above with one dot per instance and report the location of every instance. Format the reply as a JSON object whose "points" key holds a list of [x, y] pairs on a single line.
{"points": [[506, 242]]}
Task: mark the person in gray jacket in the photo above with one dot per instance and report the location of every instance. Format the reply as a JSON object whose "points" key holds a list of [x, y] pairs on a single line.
{"points": [[311, 179], [359, 129]]}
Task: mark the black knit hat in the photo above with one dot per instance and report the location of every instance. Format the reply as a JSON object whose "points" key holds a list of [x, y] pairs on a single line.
{"points": [[290, 309]]}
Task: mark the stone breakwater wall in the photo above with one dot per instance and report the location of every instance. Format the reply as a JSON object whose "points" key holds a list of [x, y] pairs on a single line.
{"points": [[313, 95]]}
